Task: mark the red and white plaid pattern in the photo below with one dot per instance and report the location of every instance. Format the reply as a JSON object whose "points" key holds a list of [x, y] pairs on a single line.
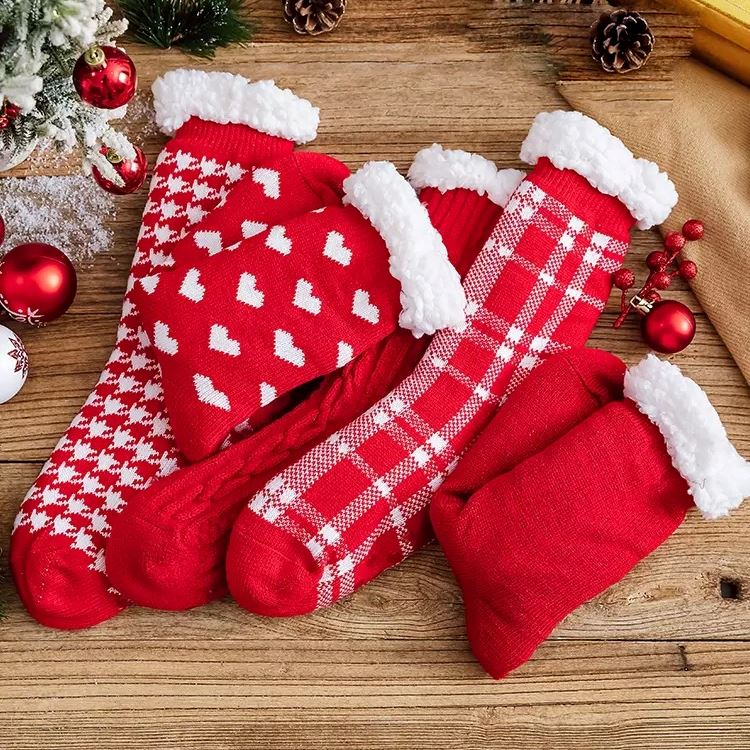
{"points": [[536, 288]]}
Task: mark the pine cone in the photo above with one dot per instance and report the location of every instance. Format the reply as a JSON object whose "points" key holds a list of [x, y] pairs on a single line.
{"points": [[314, 16], [621, 41]]}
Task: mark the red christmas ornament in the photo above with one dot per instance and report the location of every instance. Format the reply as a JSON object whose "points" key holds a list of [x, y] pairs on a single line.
{"points": [[657, 260], [661, 280], [674, 242], [8, 113], [669, 327], [693, 229], [105, 77], [132, 171], [623, 278], [37, 283], [688, 270]]}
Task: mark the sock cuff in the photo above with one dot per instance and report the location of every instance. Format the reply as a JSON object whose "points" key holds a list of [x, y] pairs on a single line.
{"points": [[571, 140], [432, 297], [449, 169], [227, 98], [718, 477]]}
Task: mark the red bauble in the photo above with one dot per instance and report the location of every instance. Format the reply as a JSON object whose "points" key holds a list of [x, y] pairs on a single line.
{"points": [[669, 327], [105, 77], [37, 283], [688, 270], [623, 278], [132, 171], [661, 280], [693, 229]]}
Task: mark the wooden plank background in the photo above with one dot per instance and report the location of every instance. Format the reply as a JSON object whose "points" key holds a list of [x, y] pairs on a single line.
{"points": [[659, 661]]}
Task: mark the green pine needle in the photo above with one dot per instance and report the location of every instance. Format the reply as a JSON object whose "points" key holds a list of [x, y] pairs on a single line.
{"points": [[196, 26]]}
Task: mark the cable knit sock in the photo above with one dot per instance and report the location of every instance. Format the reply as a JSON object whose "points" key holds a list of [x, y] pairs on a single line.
{"points": [[530, 544], [121, 439], [358, 503], [167, 548]]}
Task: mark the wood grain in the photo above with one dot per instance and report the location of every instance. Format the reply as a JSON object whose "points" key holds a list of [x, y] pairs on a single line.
{"points": [[661, 660]]}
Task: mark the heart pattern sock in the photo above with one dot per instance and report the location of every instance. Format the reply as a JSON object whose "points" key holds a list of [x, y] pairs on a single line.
{"points": [[167, 548], [588, 506], [358, 503], [121, 438]]}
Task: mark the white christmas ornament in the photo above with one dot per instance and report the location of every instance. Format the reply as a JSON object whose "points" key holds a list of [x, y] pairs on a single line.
{"points": [[14, 364]]}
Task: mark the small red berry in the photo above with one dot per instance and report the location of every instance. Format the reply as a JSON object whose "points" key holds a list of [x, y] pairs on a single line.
{"points": [[661, 280], [674, 241], [657, 260], [693, 229], [623, 278], [688, 270], [654, 296]]}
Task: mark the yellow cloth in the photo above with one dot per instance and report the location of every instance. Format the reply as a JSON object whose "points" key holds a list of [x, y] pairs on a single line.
{"points": [[702, 140]]}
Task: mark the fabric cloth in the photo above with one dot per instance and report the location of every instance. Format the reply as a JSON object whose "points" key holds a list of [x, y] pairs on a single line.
{"points": [[531, 541], [167, 548], [358, 503], [121, 439], [702, 138]]}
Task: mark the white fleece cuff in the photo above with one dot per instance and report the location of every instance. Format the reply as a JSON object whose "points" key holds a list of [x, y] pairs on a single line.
{"points": [[431, 293], [225, 97], [448, 169], [571, 140], [718, 477]]}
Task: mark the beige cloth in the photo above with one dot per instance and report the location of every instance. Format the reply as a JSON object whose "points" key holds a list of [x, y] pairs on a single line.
{"points": [[702, 140]]}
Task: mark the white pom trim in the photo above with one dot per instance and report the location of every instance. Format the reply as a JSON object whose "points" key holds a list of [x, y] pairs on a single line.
{"points": [[431, 293], [448, 169], [224, 98], [718, 477], [571, 140]]}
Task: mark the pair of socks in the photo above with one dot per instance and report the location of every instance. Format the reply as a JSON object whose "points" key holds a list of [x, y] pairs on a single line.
{"points": [[612, 461]]}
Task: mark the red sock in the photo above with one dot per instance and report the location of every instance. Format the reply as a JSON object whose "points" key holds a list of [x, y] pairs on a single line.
{"points": [[358, 503], [167, 548], [530, 544], [121, 439]]}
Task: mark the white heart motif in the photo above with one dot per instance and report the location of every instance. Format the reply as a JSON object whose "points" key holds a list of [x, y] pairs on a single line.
{"points": [[269, 180], [267, 394], [149, 283], [220, 341], [363, 308], [252, 228], [209, 394], [210, 241], [163, 339], [304, 297], [248, 293], [278, 241], [284, 348], [191, 286], [335, 249], [345, 354]]}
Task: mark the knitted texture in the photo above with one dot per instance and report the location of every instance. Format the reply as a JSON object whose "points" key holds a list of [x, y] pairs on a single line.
{"points": [[121, 439], [531, 542], [167, 548], [288, 303], [357, 504]]}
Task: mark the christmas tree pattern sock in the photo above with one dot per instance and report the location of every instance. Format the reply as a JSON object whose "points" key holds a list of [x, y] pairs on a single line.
{"points": [[530, 544], [358, 503], [167, 548], [226, 130]]}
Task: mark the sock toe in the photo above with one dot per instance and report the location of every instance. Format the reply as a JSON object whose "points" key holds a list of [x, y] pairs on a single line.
{"points": [[164, 567], [58, 585], [269, 572]]}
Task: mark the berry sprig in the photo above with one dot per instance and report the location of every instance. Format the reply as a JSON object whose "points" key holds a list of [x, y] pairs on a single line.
{"points": [[663, 267]]}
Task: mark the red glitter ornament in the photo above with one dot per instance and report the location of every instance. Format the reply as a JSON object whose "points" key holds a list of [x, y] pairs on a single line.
{"points": [[105, 77], [37, 283], [132, 171], [693, 229], [661, 280], [688, 270], [623, 278], [674, 242], [669, 327], [657, 260]]}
